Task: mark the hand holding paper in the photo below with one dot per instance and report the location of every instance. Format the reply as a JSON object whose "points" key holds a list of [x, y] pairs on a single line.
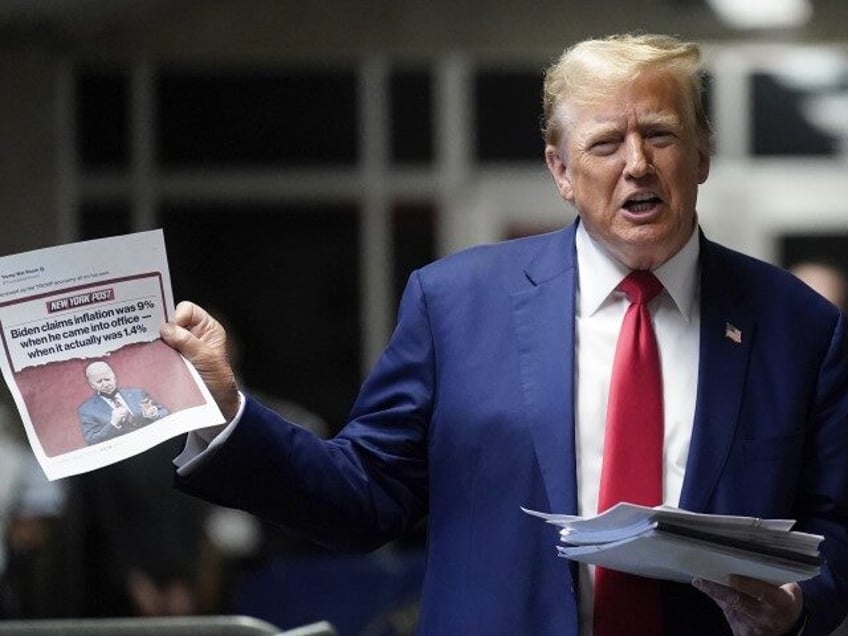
{"points": [[755, 607], [203, 341]]}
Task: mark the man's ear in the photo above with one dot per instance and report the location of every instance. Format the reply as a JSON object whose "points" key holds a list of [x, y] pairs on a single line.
{"points": [[704, 149], [703, 166], [555, 160]]}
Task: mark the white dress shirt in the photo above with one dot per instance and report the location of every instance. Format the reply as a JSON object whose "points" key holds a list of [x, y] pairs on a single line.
{"points": [[600, 312]]}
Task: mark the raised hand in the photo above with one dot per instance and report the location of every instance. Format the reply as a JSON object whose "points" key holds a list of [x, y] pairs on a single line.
{"points": [[203, 341]]}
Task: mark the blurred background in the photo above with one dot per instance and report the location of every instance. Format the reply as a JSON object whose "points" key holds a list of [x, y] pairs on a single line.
{"points": [[302, 158]]}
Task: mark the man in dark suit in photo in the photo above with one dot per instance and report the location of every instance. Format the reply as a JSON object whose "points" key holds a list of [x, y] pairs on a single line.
{"points": [[114, 411], [510, 368]]}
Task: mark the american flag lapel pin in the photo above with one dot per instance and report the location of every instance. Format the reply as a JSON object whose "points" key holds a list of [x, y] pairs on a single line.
{"points": [[732, 332]]}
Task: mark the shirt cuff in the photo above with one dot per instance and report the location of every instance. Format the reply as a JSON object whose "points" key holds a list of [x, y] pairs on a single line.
{"points": [[203, 443]]}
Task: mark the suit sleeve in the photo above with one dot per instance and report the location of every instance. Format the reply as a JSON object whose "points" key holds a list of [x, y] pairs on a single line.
{"points": [[358, 490]]}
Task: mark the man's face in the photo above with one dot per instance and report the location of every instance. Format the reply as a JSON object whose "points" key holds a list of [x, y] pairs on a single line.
{"points": [[631, 165], [102, 380]]}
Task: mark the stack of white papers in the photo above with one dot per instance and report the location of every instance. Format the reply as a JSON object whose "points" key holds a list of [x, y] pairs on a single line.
{"points": [[677, 545]]}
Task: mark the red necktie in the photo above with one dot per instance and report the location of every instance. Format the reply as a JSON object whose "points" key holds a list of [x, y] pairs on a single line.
{"points": [[632, 466]]}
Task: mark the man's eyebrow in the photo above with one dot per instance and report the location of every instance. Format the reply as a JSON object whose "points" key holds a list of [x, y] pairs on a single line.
{"points": [[601, 129], [659, 119]]}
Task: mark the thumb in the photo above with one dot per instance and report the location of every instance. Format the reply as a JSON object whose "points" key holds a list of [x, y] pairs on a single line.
{"points": [[204, 346], [180, 339]]}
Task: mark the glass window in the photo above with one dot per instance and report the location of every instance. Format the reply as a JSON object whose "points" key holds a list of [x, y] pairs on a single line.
{"points": [[411, 117], [231, 119], [98, 219], [286, 280], [102, 119], [413, 240], [780, 123], [829, 248], [508, 115]]}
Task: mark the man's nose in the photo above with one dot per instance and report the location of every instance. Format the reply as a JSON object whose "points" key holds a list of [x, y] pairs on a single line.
{"points": [[638, 158]]}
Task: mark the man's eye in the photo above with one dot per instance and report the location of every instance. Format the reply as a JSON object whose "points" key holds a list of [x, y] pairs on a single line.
{"points": [[661, 136], [606, 147]]}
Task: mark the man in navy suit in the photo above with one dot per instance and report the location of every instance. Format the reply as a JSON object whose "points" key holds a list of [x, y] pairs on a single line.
{"points": [[492, 391], [111, 411]]}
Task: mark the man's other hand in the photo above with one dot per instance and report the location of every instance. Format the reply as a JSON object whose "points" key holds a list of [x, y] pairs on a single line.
{"points": [[756, 608]]}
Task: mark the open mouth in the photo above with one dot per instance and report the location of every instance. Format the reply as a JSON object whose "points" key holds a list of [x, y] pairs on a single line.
{"points": [[642, 202]]}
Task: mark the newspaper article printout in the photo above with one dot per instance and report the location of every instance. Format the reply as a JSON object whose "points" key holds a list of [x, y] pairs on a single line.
{"points": [[92, 380]]}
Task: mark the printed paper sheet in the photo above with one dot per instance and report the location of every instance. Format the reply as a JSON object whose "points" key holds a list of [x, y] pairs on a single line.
{"points": [[71, 317]]}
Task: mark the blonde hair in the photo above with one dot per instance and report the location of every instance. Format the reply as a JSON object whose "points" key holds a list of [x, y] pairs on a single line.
{"points": [[594, 69]]}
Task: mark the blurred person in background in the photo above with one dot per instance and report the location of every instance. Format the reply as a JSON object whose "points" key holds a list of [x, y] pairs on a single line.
{"points": [[284, 578], [139, 547], [31, 508], [827, 279]]}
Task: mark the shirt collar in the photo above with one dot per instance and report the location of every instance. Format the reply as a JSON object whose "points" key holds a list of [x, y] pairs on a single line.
{"points": [[599, 273]]}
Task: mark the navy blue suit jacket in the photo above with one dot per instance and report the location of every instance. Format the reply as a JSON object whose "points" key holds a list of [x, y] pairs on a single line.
{"points": [[469, 415]]}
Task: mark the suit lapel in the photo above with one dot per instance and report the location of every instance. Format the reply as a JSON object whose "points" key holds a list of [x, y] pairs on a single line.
{"points": [[544, 325], [727, 331]]}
